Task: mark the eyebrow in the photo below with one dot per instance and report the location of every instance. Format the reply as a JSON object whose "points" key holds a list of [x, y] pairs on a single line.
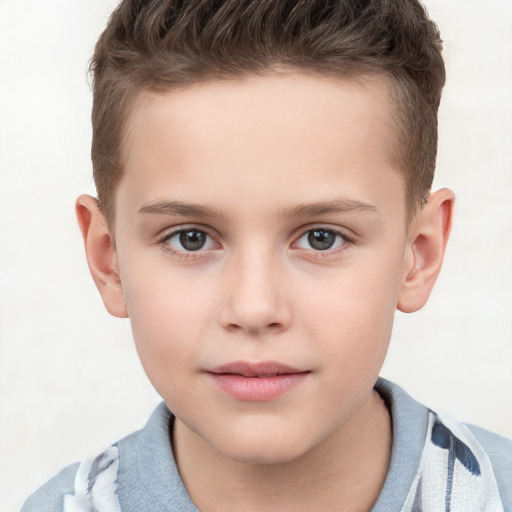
{"points": [[180, 208], [326, 207], [305, 210]]}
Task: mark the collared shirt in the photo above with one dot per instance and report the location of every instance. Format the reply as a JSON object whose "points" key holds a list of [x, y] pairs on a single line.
{"points": [[437, 464]]}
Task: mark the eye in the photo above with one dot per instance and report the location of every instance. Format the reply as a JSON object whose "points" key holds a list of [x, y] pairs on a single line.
{"points": [[321, 239], [189, 240]]}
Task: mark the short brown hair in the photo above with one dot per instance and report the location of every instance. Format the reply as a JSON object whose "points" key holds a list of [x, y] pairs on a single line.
{"points": [[158, 45]]}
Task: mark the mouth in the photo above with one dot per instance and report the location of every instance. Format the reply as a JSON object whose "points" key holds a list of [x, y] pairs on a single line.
{"points": [[257, 382], [258, 370]]}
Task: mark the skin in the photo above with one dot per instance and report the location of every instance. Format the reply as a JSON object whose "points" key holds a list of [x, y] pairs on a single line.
{"points": [[268, 160]]}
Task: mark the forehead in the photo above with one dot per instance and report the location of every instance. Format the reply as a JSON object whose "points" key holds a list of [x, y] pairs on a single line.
{"points": [[244, 134], [264, 102]]}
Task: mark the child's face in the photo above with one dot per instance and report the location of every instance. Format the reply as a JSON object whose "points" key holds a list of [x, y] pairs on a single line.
{"points": [[262, 221]]}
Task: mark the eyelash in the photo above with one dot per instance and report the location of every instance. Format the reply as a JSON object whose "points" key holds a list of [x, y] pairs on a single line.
{"points": [[166, 247], [317, 253]]}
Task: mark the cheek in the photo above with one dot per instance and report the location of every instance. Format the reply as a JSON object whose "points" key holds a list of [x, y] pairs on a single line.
{"points": [[168, 321], [164, 304], [352, 311]]}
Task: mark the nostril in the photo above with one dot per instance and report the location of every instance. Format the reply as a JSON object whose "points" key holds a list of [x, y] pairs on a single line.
{"points": [[274, 326], [271, 327], [233, 327]]}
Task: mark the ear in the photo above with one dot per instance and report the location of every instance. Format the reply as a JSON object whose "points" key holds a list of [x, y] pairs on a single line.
{"points": [[101, 255], [428, 235]]}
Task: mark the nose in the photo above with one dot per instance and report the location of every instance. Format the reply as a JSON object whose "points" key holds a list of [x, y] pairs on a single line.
{"points": [[255, 300]]}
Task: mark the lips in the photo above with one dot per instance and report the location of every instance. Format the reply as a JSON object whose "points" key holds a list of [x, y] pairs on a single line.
{"points": [[263, 369], [256, 381]]}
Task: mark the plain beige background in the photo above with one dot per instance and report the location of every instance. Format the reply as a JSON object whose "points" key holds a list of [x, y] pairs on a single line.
{"points": [[70, 381]]}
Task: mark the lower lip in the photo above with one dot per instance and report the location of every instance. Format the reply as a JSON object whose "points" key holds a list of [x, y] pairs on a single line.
{"points": [[257, 389]]}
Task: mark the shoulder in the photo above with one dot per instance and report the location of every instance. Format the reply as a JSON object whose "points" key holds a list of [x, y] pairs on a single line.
{"points": [[127, 476], [86, 486], [478, 464], [499, 451], [48, 498], [435, 456]]}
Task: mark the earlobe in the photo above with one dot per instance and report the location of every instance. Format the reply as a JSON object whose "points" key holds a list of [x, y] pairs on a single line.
{"points": [[101, 255], [425, 249]]}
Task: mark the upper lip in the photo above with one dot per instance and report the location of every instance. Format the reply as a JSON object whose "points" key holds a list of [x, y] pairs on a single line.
{"points": [[260, 369]]}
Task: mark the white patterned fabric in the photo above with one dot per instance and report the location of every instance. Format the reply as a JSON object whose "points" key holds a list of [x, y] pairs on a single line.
{"points": [[455, 474], [95, 485]]}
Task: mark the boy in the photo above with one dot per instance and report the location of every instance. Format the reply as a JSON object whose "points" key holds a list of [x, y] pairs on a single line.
{"points": [[263, 173]]}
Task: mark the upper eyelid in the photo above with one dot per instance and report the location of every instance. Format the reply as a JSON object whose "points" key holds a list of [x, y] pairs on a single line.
{"points": [[343, 232], [337, 233], [163, 241], [164, 238], [324, 228], [167, 233]]}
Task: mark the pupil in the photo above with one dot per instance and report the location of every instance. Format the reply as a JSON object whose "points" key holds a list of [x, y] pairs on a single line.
{"points": [[321, 240], [192, 240]]}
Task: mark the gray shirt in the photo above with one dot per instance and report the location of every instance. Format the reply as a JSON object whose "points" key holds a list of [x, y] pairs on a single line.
{"points": [[436, 464]]}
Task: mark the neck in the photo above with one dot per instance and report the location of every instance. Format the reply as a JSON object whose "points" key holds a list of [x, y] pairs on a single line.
{"points": [[346, 471]]}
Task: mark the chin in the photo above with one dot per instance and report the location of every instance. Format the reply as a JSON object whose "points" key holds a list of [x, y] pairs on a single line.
{"points": [[262, 457], [262, 448]]}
